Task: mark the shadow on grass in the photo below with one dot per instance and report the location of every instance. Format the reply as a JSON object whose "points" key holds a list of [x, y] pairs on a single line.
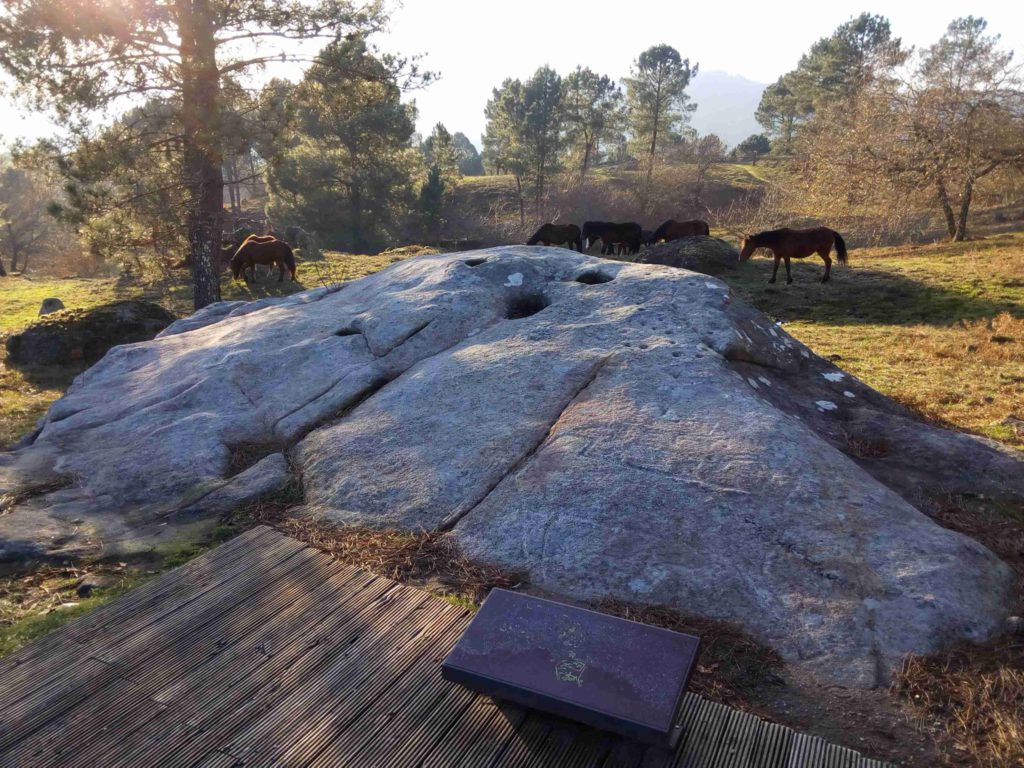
{"points": [[865, 295]]}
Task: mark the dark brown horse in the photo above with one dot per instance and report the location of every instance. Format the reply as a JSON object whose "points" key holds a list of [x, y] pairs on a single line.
{"points": [[263, 249], [558, 234], [626, 237], [788, 244], [673, 230]]}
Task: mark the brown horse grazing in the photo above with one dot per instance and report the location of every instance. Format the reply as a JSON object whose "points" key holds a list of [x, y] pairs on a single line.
{"points": [[263, 249], [628, 237], [673, 230], [788, 244], [558, 233]]}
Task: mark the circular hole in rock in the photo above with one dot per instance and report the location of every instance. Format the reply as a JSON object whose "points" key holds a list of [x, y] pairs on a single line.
{"points": [[525, 305], [593, 277], [474, 262]]}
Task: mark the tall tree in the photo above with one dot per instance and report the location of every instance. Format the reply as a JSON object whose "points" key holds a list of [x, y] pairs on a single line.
{"points": [[26, 228], [523, 135], [781, 110], [122, 191], [96, 54], [657, 102], [442, 175], [838, 66], [927, 133], [967, 114], [470, 162], [505, 148], [439, 152], [542, 96], [834, 69], [347, 167], [592, 106]]}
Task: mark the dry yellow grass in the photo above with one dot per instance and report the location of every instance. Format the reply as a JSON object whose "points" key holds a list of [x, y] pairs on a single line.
{"points": [[939, 328]]}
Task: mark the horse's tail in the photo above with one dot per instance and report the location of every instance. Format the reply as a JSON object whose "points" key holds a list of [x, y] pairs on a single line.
{"points": [[579, 243], [840, 247]]}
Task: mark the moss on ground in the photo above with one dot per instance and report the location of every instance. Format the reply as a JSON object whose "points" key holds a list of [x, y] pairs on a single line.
{"points": [[34, 606]]}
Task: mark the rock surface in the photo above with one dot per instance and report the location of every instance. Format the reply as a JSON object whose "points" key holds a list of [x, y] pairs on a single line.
{"points": [[85, 335], [49, 306], [709, 255], [613, 429]]}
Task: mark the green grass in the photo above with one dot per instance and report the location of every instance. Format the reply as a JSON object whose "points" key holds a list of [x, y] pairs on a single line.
{"points": [[939, 328], [741, 175], [19, 628], [36, 604]]}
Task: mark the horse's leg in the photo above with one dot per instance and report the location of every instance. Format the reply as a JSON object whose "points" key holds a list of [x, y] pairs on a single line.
{"points": [[280, 270], [776, 270], [789, 277], [828, 265]]}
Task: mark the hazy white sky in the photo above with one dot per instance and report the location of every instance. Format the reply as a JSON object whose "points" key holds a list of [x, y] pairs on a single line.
{"points": [[475, 44]]}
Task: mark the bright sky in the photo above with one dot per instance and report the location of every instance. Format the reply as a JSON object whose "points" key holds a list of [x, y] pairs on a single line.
{"points": [[475, 44]]}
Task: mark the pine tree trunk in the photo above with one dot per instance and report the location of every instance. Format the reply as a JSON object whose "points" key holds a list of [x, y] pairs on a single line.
{"points": [[522, 208], [202, 165], [356, 207], [14, 247], [586, 162]]}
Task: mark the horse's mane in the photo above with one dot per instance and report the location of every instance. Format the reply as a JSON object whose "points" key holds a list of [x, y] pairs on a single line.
{"points": [[767, 237], [660, 232]]}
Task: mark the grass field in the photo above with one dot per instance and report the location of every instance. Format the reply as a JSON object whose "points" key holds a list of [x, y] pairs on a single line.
{"points": [[939, 328]]}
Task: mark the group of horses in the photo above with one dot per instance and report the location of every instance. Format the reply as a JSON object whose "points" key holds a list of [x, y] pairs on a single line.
{"points": [[616, 239]]}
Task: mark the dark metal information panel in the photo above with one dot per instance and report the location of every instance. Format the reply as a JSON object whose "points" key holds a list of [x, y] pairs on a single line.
{"points": [[600, 670]]}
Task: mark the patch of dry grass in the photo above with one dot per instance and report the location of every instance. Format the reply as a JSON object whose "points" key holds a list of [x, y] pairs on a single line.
{"points": [[975, 692], [34, 605], [426, 559]]}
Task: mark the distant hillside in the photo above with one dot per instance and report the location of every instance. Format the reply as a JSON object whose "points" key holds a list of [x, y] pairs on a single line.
{"points": [[725, 105]]}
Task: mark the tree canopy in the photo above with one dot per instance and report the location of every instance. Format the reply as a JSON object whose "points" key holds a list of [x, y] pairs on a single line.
{"points": [[347, 168], [91, 55]]}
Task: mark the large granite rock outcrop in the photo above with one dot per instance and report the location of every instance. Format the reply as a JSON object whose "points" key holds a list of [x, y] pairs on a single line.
{"points": [[613, 429]]}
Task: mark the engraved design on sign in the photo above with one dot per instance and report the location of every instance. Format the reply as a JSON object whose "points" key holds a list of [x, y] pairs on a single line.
{"points": [[570, 671]]}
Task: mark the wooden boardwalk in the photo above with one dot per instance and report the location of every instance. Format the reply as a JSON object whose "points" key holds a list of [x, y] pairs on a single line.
{"points": [[267, 652]]}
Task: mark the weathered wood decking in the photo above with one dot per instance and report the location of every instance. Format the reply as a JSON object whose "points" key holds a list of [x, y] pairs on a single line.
{"points": [[267, 652]]}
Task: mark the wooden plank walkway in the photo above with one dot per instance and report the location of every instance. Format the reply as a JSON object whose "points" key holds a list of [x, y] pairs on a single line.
{"points": [[267, 652]]}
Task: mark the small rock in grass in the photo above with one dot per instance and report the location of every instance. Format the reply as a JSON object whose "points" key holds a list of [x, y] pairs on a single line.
{"points": [[50, 305], [90, 581]]}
